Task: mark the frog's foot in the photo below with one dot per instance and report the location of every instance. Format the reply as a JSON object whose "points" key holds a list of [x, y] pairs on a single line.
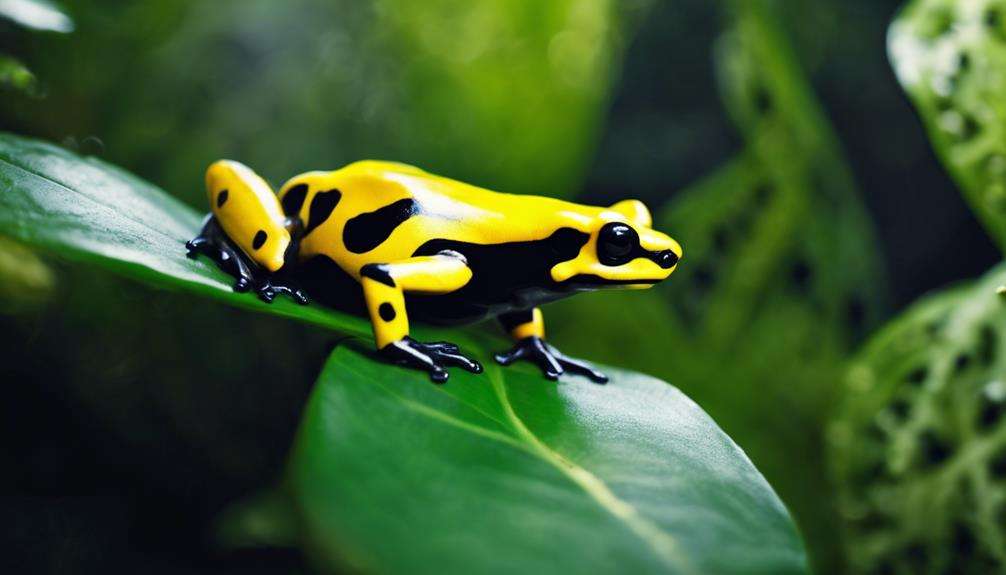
{"points": [[552, 362], [268, 288], [431, 357], [212, 242]]}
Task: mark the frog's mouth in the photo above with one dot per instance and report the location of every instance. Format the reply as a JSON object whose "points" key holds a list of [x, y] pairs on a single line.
{"points": [[593, 282]]}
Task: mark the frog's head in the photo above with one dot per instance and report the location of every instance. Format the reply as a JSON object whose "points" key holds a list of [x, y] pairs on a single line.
{"points": [[622, 251], [249, 213]]}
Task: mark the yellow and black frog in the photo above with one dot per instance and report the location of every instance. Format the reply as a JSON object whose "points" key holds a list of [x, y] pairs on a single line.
{"points": [[393, 241]]}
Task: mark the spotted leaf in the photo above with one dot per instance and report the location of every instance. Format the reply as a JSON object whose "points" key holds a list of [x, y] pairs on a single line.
{"points": [[919, 446], [951, 59]]}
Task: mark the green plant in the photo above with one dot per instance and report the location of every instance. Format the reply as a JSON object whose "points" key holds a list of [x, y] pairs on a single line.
{"points": [[647, 480], [919, 447]]}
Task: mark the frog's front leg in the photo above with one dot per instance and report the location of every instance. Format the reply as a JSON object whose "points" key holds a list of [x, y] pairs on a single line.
{"points": [[212, 242], [247, 233], [384, 287], [527, 328]]}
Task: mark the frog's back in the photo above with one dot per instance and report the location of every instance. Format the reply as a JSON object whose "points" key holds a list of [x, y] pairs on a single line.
{"points": [[378, 212]]}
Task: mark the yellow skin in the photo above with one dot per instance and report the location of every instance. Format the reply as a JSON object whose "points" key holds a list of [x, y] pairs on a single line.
{"points": [[456, 251]]}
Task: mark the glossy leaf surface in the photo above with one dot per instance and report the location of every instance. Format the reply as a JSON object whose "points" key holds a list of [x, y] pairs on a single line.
{"points": [[85, 209], [507, 472]]}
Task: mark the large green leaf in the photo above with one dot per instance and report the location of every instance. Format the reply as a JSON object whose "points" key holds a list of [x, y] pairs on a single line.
{"points": [[919, 448], [85, 209], [506, 472], [951, 59]]}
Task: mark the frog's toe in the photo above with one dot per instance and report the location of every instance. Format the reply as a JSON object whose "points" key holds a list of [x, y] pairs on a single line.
{"points": [[431, 357], [196, 245], [552, 362], [242, 284], [269, 288], [266, 293]]}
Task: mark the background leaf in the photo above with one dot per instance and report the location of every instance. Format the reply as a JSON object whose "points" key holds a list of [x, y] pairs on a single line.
{"points": [[36, 14], [950, 57], [15, 75], [506, 472], [919, 448]]}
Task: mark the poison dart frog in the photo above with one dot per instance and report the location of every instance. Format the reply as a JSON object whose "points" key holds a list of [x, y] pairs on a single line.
{"points": [[394, 242]]}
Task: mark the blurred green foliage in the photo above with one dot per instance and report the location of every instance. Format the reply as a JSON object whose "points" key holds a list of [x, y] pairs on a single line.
{"points": [[919, 447], [950, 57], [487, 92]]}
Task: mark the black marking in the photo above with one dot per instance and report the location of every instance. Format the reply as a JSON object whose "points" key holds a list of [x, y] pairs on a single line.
{"points": [[378, 272], [293, 200], [386, 311], [505, 277], [321, 207], [259, 239], [367, 231], [221, 198]]}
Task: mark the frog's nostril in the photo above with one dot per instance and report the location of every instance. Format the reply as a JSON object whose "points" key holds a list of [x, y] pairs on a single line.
{"points": [[666, 259]]}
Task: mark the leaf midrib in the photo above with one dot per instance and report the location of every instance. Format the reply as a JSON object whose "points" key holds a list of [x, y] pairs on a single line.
{"points": [[663, 544]]}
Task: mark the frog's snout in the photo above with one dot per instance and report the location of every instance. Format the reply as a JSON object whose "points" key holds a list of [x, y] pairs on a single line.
{"points": [[666, 259]]}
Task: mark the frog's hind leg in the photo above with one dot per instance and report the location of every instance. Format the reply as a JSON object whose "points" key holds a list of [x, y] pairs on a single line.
{"points": [[527, 328], [384, 287]]}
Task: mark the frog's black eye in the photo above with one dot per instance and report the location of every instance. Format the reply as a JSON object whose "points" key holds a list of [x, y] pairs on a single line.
{"points": [[616, 244]]}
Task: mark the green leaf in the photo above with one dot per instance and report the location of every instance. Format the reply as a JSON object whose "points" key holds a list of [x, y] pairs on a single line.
{"points": [[506, 472], [15, 75], [36, 14], [919, 447], [950, 58], [85, 209]]}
